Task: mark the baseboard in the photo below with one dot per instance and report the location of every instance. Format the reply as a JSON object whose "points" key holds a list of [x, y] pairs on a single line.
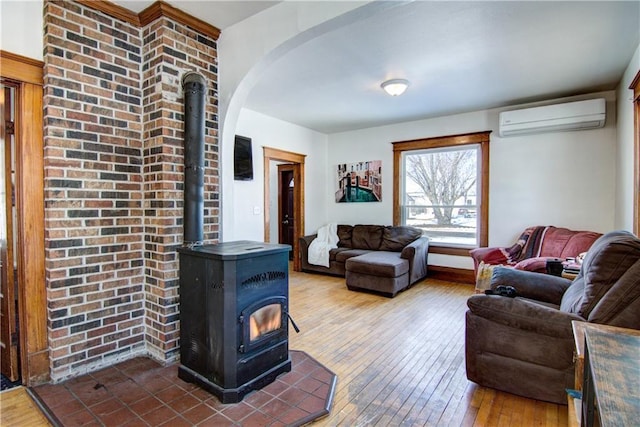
{"points": [[459, 275]]}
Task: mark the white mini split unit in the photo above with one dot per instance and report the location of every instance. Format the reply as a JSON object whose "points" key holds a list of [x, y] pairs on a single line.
{"points": [[580, 115]]}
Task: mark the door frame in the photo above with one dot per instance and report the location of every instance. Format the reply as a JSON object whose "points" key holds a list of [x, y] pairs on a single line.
{"points": [[28, 74], [635, 87], [293, 169], [275, 154]]}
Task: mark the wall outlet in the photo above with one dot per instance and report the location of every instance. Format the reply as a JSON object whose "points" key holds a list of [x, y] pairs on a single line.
{"points": [[257, 210]]}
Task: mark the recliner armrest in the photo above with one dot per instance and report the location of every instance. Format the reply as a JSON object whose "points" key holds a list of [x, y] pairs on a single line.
{"points": [[536, 286], [523, 314]]}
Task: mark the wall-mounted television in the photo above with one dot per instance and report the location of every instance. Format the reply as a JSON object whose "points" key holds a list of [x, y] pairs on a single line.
{"points": [[242, 159]]}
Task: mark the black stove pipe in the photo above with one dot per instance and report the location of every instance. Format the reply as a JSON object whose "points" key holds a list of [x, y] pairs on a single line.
{"points": [[194, 88]]}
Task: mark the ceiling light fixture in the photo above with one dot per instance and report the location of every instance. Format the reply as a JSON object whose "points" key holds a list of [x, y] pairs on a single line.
{"points": [[395, 87]]}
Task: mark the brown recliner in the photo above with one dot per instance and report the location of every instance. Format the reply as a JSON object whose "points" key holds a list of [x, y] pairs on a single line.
{"points": [[524, 345]]}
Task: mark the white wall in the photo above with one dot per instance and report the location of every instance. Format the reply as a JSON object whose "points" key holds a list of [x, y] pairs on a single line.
{"points": [[564, 179], [624, 172], [21, 31], [266, 131]]}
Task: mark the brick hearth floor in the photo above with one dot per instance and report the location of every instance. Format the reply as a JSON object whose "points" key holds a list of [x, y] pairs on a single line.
{"points": [[141, 392]]}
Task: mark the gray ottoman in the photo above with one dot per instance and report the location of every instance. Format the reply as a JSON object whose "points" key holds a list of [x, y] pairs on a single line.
{"points": [[380, 271]]}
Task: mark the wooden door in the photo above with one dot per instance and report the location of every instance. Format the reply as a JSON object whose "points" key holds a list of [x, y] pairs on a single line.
{"points": [[8, 320], [286, 202]]}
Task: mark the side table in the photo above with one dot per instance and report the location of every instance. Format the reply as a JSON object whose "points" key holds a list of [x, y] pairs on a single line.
{"points": [[580, 332]]}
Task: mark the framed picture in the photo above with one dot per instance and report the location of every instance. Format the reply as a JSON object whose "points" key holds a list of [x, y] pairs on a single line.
{"points": [[359, 182]]}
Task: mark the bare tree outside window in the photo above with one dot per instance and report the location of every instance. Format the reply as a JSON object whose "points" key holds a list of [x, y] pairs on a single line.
{"points": [[440, 189], [445, 177], [441, 185]]}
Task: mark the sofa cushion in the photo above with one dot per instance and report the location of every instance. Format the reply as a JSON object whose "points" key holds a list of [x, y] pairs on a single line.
{"points": [[537, 264], [346, 253], [394, 239], [607, 260], [344, 236], [367, 237], [562, 242], [333, 253], [380, 263]]}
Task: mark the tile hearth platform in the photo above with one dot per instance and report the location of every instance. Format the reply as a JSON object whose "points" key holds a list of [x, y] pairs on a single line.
{"points": [[141, 392]]}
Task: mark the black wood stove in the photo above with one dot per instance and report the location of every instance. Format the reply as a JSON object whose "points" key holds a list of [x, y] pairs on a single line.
{"points": [[234, 316]]}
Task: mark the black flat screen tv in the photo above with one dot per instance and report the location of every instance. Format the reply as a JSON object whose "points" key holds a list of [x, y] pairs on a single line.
{"points": [[242, 159]]}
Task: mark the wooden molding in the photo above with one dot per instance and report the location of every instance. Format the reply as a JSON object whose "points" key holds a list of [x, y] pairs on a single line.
{"points": [[156, 10], [27, 74], [269, 154], [442, 141], [20, 68], [459, 275], [112, 10], [160, 8], [446, 250], [635, 86]]}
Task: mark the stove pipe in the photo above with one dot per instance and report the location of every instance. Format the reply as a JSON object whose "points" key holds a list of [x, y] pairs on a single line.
{"points": [[194, 88]]}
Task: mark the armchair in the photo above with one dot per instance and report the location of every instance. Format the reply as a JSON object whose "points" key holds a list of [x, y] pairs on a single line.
{"points": [[524, 345]]}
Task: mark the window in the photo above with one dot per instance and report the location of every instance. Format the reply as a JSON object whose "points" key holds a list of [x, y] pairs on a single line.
{"points": [[441, 186]]}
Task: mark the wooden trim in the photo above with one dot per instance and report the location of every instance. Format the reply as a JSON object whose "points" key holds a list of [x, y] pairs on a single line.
{"points": [[481, 138], [459, 275], [484, 190], [397, 159], [160, 8], [298, 175], [32, 295], [442, 141], [635, 86], [446, 250], [113, 10], [21, 68], [9, 362], [30, 199], [156, 10]]}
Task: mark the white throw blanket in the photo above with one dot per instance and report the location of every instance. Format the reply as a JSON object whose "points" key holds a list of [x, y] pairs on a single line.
{"points": [[326, 240]]}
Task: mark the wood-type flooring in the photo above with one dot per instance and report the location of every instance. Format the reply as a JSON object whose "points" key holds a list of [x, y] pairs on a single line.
{"points": [[399, 362]]}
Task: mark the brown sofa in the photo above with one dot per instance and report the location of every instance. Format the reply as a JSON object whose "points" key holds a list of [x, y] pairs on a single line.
{"points": [[383, 259], [535, 246], [524, 345]]}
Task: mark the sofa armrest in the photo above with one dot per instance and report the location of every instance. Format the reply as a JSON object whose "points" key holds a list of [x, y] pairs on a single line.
{"points": [[536, 286], [523, 314], [416, 253], [493, 256], [304, 242]]}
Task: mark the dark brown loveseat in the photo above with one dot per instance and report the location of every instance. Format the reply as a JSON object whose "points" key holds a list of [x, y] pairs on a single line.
{"points": [[384, 259], [524, 345]]}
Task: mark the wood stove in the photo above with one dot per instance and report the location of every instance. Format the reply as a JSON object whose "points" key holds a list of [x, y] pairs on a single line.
{"points": [[234, 316]]}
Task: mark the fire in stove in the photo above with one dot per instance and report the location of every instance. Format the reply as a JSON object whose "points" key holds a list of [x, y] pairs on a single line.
{"points": [[265, 320]]}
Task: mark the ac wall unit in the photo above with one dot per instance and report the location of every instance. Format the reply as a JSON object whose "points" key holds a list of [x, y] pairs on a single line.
{"points": [[580, 115]]}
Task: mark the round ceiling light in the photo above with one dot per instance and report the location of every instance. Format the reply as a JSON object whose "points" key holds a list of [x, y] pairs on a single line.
{"points": [[395, 87]]}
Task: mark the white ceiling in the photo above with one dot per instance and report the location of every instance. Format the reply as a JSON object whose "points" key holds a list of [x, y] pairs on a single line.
{"points": [[458, 56]]}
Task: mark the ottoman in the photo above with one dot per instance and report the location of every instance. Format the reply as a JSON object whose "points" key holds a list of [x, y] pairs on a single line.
{"points": [[380, 271]]}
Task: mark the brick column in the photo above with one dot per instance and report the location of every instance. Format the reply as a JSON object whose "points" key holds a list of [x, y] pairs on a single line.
{"points": [[170, 50], [114, 182]]}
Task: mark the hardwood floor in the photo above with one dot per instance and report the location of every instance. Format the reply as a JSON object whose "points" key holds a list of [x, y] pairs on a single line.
{"points": [[18, 409], [400, 361]]}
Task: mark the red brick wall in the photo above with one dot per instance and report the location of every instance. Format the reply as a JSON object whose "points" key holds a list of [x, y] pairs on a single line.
{"points": [[114, 183]]}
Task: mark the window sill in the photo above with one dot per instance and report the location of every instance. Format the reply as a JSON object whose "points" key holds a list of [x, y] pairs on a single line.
{"points": [[444, 250]]}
